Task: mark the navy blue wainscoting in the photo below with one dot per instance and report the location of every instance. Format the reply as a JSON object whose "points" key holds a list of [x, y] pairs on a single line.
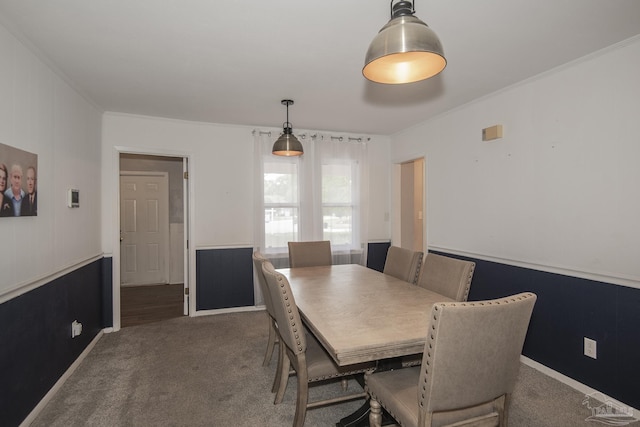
{"points": [[567, 310], [224, 278], [36, 347], [107, 292], [377, 255]]}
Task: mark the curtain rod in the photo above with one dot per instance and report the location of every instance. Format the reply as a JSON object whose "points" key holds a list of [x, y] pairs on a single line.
{"points": [[315, 135], [300, 135], [350, 138]]}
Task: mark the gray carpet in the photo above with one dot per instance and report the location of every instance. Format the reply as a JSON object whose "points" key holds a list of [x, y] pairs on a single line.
{"points": [[207, 371]]}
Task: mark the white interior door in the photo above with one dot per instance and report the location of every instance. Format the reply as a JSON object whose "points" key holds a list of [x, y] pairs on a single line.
{"points": [[144, 223]]}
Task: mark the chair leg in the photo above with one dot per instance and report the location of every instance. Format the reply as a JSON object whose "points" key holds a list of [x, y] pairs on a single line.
{"points": [[375, 415], [283, 375], [276, 379], [302, 400], [270, 344], [503, 410]]}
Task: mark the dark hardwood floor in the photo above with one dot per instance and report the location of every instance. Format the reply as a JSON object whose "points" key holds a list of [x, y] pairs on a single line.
{"points": [[146, 304]]}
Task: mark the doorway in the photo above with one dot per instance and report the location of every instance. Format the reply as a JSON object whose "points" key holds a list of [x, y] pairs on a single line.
{"points": [[153, 246], [410, 205]]}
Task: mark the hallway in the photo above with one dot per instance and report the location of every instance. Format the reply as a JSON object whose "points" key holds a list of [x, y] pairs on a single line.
{"points": [[147, 304]]}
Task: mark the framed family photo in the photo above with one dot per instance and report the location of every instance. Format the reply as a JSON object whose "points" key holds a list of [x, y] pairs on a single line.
{"points": [[18, 182]]}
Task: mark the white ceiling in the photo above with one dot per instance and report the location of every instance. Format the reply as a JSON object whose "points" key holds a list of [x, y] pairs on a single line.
{"points": [[232, 62]]}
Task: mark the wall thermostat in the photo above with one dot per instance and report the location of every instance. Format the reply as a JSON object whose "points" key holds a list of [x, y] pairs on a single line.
{"points": [[73, 198]]}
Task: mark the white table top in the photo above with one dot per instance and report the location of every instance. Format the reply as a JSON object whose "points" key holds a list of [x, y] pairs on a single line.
{"points": [[360, 314]]}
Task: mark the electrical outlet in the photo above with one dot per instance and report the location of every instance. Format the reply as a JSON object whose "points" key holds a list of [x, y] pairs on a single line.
{"points": [[76, 329], [590, 348]]}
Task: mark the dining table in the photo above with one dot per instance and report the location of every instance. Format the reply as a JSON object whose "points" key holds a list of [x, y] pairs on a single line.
{"points": [[361, 315]]}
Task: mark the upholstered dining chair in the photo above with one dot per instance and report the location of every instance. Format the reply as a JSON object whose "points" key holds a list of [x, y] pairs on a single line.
{"points": [[309, 254], [274, 336], [447, 276], [258, 259], [403, 264], [469, 367], [307, 357]]}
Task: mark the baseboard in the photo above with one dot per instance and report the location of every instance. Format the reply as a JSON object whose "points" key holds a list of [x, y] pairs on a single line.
{"points": [[137, 285], [582, 388], [47, 397], [199, 313]]}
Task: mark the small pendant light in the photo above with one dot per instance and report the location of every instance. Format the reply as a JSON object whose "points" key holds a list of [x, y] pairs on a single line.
{"points": [[405, 50], [287, 144]]}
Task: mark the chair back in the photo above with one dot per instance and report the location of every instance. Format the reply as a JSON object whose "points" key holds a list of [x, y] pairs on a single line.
{"points": [[447, 276], [258, 260], [472, 352], [309, 254], [285, 310], [403, 264]]}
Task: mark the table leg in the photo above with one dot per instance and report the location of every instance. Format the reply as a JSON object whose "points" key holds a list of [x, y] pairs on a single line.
{"points": [[375, 413], [360, 418]]}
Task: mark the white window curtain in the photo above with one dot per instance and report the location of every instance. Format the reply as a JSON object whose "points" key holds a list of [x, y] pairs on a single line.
{"points": [[330, 195]]}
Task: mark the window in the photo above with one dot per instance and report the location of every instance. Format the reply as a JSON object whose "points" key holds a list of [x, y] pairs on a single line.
{"points": [[318, 196], [338, 206], [281, 203]]}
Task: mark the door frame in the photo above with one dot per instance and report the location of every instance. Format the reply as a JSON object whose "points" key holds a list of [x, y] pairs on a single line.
{"points": [[396, 202], [189, 265]]}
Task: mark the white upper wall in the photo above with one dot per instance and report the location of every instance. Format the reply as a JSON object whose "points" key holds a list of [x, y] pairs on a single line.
{"points": [[560, 189], [221, 172], [42, 114]]}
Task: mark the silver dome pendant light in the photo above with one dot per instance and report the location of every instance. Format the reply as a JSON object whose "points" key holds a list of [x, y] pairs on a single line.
{"points": [[287, 144], [405, 50]]}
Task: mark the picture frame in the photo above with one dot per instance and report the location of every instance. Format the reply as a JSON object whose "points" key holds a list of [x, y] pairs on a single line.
{"points": [[18, 182]]}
